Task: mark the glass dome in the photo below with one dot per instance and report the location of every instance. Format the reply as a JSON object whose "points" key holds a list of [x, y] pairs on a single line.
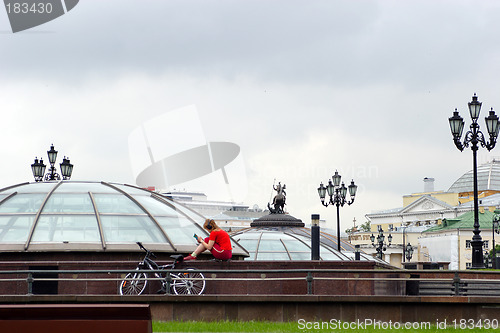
{"points": [[94, 216], [488, 178], [291, 243]]}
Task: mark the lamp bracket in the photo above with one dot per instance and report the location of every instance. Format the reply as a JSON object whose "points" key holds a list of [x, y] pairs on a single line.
{"points": [[474, 136]]}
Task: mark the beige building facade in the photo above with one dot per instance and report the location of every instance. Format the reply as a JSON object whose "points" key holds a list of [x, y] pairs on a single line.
{"points": [[422, 221]]}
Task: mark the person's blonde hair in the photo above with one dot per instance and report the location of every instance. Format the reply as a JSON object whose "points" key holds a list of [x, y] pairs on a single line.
{"points": [[211, 223]]}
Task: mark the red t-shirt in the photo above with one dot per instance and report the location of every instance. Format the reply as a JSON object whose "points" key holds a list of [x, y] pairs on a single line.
{"points": [[222, 238]]}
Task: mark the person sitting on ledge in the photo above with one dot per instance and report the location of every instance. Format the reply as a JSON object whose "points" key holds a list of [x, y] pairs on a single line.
{"points": [[218, 243]]}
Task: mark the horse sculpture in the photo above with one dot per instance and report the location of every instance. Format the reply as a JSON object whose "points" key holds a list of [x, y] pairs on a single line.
{"points": [[278, 200]]}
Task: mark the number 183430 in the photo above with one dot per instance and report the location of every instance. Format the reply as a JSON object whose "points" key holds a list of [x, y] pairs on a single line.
{"points": [[475, 324], [31, 8]]}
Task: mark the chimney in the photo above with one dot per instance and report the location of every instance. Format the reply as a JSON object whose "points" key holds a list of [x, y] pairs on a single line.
{"points": [[428, 185]]}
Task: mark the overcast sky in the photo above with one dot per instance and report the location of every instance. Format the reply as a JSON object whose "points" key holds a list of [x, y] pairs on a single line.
{"points": [[303, 87]]}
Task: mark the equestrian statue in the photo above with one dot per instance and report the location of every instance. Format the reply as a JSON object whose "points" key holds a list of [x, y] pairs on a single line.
{"points": [[278, 200]]}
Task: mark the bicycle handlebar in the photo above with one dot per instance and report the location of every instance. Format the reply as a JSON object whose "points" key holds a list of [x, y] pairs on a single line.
{"points": [[147, 251]]}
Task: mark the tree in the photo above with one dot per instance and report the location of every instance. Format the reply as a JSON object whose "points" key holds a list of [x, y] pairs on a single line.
{"points": [[497, 250], [365, 227]]}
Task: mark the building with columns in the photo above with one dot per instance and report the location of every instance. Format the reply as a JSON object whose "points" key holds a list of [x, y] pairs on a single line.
{"points": [[429, 211]]}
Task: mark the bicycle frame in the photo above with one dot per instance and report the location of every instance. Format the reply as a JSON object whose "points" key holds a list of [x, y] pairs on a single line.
{"points": [[149, 264], [189, 283]]}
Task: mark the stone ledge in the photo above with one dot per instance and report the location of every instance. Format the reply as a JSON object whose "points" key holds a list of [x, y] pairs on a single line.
{"points": [[34, 299]]}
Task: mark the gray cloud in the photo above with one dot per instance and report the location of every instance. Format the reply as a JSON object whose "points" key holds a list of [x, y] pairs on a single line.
{"points": [[376, 80]]}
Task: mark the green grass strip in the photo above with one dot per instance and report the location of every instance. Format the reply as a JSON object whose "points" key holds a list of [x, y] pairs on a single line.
{"points": [[223, 326], [266, 326]]}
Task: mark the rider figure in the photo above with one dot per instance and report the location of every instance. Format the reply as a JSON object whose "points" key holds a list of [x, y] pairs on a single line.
{"points": [[279, 199], [280, 189]]}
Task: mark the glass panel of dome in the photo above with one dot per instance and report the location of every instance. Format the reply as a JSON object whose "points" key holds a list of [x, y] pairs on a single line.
{"points": [[183, 236], [271, 245], [195, 216], [249, 244], [296, 245], [251, 255], [156, 207], [123, 229], [328, 255], [70, 228], [180, 230], [132, 190], [272, 256], [69, 203], [23, 203], [77, 187], [9, 191], [35, 188], [15, 229], [272, 235], [249, 235], [300, 255], [117, 204]]}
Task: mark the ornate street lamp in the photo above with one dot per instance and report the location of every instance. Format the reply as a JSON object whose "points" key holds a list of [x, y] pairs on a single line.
{"points": [[66, 168], [380, 245], [408, 251], [337, 194], [38, 167], [474, 137]]}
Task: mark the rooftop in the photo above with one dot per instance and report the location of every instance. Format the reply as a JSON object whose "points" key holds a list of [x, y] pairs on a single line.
{"points": [[465, 221], [488, 178]]}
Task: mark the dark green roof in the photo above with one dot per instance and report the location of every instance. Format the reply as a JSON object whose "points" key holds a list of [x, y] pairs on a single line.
{"points": [[465, 221]]}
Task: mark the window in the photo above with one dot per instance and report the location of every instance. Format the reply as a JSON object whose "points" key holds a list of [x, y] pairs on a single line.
{"points": [[468, 246], [468, 265]]}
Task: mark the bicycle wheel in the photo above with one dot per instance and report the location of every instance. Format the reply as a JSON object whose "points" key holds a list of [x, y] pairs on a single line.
{"points": [[188, 283], [133, 284]]}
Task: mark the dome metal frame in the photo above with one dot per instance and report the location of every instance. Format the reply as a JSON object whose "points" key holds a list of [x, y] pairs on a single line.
{"points": [[488, 177], [302, 235], [60, 216]]}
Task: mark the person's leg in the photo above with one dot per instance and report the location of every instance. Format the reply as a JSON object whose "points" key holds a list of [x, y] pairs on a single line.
{"points": [[220, 254], [201, 248]]}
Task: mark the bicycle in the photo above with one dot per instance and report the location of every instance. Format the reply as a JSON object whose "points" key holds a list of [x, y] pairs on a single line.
{"points": [[183, 283]]}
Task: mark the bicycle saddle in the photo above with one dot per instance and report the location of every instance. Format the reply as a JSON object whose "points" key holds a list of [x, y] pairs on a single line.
{"points": [[177, 257]]}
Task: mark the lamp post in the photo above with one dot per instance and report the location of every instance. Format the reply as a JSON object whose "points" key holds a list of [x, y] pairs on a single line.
{"points": [[337, 194], [473, 138], [357, 254], [315, 237], [408, 251], [38, 167], [486, 258], [380, 245], [404, 241], [494, 229]]}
